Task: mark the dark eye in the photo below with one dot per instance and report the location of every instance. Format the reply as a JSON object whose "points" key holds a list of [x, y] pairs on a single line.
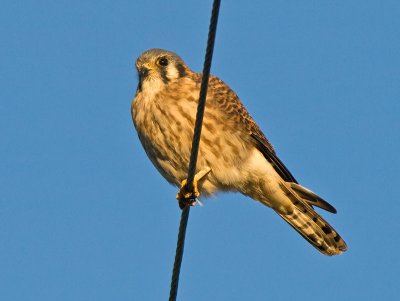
{"points": [[162, 61]]}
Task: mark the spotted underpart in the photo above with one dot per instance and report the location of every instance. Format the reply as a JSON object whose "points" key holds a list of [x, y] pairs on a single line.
{"points": [[232, 145]]}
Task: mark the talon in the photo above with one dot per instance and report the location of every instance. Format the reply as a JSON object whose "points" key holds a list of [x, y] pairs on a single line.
{"points": [[187, 197]]}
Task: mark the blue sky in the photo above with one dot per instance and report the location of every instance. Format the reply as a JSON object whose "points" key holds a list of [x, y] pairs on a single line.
{"points": [[85, 216]]}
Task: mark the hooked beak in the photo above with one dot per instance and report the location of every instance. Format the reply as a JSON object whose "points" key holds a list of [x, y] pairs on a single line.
{"points": [[143, 72]]}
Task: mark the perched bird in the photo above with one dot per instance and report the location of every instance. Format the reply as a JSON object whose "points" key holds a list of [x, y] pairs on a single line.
{"points": [[234, 154]]}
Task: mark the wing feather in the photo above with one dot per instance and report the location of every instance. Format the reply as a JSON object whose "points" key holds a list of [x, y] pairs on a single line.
{"points": [[227, 101]]}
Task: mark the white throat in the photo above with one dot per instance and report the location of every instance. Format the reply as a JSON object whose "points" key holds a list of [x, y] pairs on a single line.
{"points": [[151, 87]]}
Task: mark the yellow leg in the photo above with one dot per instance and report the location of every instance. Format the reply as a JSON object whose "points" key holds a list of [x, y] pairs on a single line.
{"points": [[185, 195]]}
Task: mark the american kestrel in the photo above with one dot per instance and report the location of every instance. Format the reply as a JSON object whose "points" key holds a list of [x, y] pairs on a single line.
{"points": [[234, 154]]}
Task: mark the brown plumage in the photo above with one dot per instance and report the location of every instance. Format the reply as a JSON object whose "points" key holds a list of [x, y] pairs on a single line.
{"points": [[232, 145]]}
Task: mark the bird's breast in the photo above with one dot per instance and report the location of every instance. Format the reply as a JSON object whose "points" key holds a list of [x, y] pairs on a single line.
{"points": [[165, 127]]}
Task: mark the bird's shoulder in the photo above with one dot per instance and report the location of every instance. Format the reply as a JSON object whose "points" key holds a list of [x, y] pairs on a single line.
{"points": [[223, 98]]}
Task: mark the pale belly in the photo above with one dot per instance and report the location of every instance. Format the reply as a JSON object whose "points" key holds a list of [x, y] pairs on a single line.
{"points": [[165, 124], [166, 135]]}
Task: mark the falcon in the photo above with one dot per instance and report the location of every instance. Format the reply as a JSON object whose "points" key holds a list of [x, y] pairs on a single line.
{"points": [[234, 153]]}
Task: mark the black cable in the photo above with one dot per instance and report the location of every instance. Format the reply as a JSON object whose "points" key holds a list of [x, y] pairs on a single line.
{"points": [[180, 245], [195, 148], [203, 93]]}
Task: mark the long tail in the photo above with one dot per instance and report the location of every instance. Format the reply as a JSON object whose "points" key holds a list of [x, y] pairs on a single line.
{"points": [[309, 223]]}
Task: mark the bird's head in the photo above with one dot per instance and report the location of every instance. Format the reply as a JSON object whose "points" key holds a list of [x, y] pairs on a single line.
{"points": [[158, 67]]}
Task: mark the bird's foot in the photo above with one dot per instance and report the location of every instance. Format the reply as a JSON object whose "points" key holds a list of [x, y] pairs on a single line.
{"points": [[187, 196]]}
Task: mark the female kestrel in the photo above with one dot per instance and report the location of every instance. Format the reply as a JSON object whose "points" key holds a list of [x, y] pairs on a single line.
{"points": [[234, 154]]}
